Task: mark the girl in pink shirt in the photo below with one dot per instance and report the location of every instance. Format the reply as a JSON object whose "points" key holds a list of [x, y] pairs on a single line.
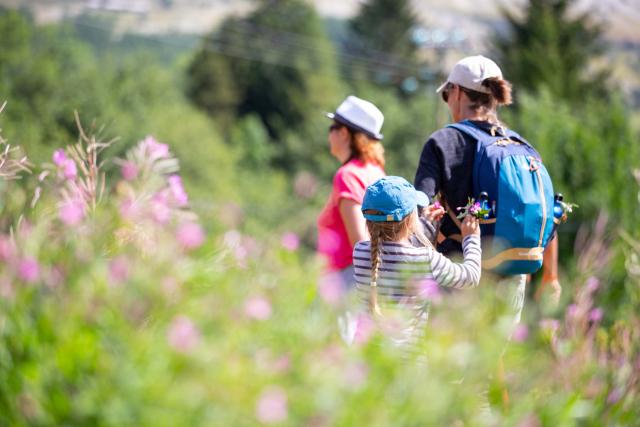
{"points": [[354, 140]]}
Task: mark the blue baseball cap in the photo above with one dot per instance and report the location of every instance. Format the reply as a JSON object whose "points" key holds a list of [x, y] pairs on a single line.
{"points": [[394, 197]]}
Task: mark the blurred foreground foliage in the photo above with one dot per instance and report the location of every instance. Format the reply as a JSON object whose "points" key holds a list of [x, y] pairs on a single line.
{"points": [[116, 310], [111, 321]]}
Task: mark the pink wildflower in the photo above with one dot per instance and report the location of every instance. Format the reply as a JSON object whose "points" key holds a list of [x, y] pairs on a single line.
{"points": [[183, 335], [271, 407], [474, 209], [177, 190], [128, 208], [429, 289], [29, 270], [155, 149], [71, 212], [129, 170], [160, 210], [119, 270], [190, 235], [437, 205], [290, 241], [365, 328], [572, 310], [257, 308], [592, 284], [59, 157], [596, 314], [281, 364], [69, 170], [7, 249], [614, 396], [331, 288], [520, 333]]}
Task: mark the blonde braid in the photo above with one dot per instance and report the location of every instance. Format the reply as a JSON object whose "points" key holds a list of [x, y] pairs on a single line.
{"points": [[388, 231], [376, 247]]}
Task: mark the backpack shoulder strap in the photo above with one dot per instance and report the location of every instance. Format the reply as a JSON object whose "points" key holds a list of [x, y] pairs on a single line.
{"points": [[485, 138]]}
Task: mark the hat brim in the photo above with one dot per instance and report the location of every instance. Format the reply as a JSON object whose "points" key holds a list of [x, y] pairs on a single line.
{"points": [[422, 200], [338, 118], [441, 87]]}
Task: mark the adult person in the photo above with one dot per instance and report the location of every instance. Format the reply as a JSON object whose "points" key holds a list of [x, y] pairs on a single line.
{"points": [[354, 140], [473, 91]]}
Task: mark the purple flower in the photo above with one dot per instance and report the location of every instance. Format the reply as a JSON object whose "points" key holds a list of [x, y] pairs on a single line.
{"points": [[271, 407], [437, 205], [520, 333], [129, 170], [290, 241], [177, 190], [596, 315], [183, 335], [29, 270], [156, 150], [257, 308], [71, 212], [59, 157], [190, 235]]}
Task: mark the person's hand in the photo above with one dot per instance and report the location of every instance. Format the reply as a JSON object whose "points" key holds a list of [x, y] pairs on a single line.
{"points": [[470, 225], [433, 212], [553, 287]]}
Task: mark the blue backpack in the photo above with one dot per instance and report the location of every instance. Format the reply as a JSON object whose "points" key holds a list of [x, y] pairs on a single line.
{"points": [[520, 198]]}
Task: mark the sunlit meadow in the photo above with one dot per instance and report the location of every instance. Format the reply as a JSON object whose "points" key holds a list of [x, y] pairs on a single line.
{"points": [[116, 308]]}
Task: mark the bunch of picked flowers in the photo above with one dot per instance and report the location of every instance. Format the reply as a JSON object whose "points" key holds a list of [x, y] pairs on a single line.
{"points": [[472, 208]]}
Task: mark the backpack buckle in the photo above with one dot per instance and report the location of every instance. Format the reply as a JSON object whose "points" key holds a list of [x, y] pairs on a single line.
{"points": [[534, 164]]}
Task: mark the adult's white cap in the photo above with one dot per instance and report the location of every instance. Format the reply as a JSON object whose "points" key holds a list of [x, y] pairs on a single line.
{"points": [[359, 115], [471, 71]]}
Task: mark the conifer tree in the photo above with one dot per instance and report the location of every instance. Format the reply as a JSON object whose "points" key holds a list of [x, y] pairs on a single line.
{"points": [[551, 47], [276, 63], [382, 31]]}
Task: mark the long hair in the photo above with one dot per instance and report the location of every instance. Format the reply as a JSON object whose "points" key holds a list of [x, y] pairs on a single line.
{"points": [[366, 149], [388, 231]]}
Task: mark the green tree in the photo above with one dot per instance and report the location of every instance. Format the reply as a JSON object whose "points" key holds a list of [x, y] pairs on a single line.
{"points": [[276, 63], [382, 31], [551, 47]]}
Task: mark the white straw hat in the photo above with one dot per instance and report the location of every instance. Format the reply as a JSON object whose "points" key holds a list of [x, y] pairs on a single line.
{"points": [[360, 115]]}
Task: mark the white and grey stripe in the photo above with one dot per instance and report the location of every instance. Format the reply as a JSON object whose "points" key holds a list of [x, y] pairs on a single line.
{"points": [[401, 271]]}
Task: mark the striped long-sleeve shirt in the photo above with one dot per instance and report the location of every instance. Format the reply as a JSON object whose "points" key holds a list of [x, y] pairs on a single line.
{"points": [[405, 277]]}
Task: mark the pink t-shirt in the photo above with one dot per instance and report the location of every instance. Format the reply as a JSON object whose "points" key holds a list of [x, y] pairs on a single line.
{"points": [[350, 182]]}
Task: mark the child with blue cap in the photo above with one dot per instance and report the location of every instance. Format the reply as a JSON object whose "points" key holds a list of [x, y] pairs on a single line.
{"points": [[392, 275]]}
